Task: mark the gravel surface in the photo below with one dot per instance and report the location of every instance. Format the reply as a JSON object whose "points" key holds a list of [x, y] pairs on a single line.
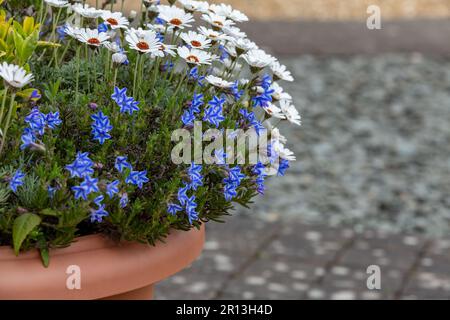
{"points": [[374, 148]]}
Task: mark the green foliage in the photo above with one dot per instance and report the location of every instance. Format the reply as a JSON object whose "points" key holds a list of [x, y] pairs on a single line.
{"points": [[23, 226], [77, 81]]}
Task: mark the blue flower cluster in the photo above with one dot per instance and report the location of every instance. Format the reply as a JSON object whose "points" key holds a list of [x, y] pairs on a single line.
{"points": [[98, 214], [82, 166], [137, 178], [188, 116], [259, 170], [262, 99], [232, 182], [213, 114], [193, 75], [126, 104], [250, 117], [194, 173], [88, 186], [16, 181], [101, 127], [186, 202], [37, 122], [282, 167], [236, 92]]}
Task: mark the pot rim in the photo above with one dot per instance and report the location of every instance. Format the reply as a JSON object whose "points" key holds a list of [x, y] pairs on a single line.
{"points": [[107, 268]]}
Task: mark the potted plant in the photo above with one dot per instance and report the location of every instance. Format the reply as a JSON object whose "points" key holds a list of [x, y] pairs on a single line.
{"points": [[114, 141]]}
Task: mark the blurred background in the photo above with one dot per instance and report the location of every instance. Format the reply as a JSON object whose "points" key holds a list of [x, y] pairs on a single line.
{"points": [[372, 182]]}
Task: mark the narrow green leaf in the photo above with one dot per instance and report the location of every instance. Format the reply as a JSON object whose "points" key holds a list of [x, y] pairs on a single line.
{"points": [[45, 257]]}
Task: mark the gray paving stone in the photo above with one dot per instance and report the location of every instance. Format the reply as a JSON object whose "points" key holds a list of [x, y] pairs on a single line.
{"points": [[431, 280], [274, 277]]}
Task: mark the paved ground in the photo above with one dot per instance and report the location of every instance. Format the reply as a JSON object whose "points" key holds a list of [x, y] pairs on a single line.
{"points": [[279, 260], [326, 9], [373, 157], [351, 37]]}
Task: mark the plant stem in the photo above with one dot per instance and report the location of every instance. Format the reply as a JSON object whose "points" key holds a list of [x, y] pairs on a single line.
{"points": [[116, 69], [78, 76], [182, 77], [8, 120], [3, 105], [65, 51], [138, 59], [41, 11]]}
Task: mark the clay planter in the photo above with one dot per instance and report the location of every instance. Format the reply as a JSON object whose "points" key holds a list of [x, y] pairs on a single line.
{"points": [[107, 270]]}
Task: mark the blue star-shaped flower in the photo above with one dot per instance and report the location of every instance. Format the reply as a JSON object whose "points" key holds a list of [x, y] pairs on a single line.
{"points": [[191, 205], [236, 175], [173, 208], [123, 200], [188, 118], [119, 95], [182, 194], [99, 214], [90, 184], [16, 181], [98, 201], [27, 138], [53, 120], [122, 164], [80, 192], [137, 178], [112, 188], [82, 166]]}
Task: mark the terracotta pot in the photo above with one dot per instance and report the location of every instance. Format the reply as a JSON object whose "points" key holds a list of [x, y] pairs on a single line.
{"points": [[106, 270]]}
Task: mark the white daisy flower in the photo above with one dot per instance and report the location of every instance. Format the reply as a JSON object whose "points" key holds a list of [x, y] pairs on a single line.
{"points": [[115, 19], [112, 46], [87, 11], [283, 152], [243, 45], [57, 3], [276, 135], [234, 32], [280, 72], [274, 111], [195, 6], [145, 41], [158, 28], [258, 58], [278, 93], [230, 48], [290, 112], [228, 12], [213, 35], [119, 58], [216, 21], [194, 56], [196, 40], [219, 82], [71, 31], [238, 16], [165, 49], [92, 37], [14, 75], [175, 17], [228, 63]]}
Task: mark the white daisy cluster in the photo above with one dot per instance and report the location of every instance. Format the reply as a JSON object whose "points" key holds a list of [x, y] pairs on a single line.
{"points": [[218, 49]]}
